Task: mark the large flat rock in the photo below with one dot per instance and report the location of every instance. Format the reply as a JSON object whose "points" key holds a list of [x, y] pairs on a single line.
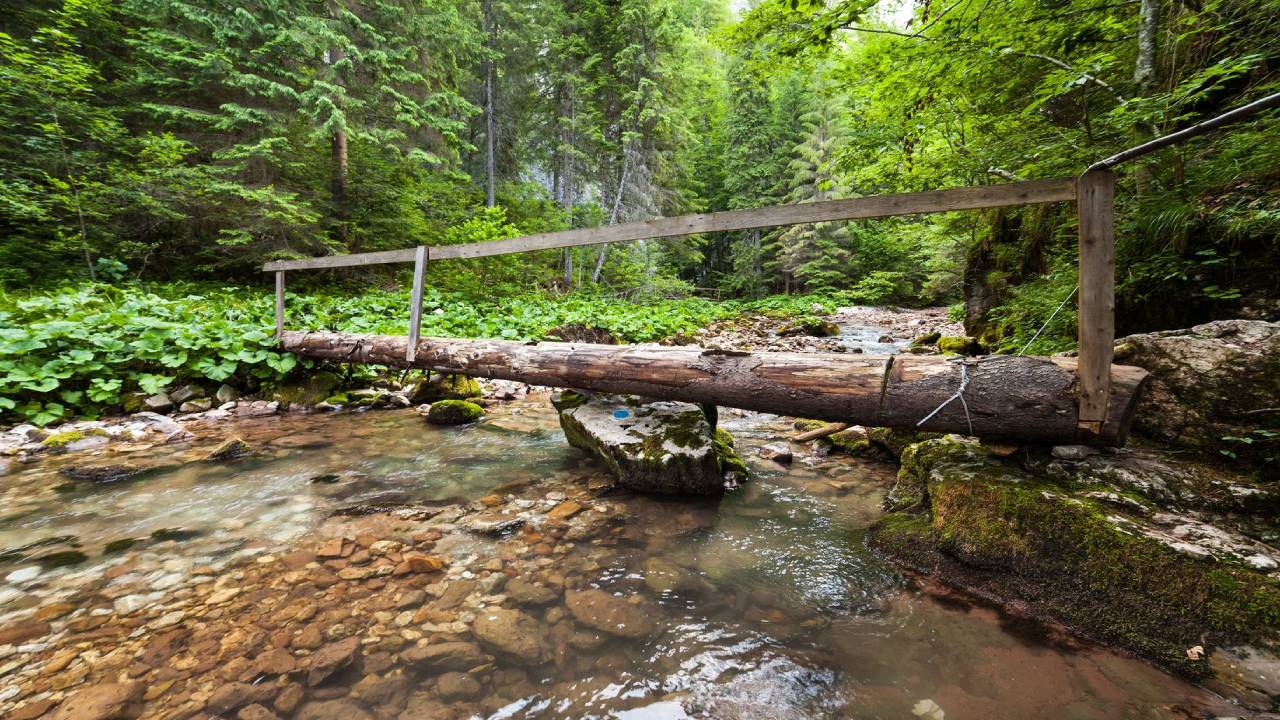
{"points": [[658, 447]]}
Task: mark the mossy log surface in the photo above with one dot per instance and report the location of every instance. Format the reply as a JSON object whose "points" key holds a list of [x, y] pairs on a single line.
{"points": [[1022, 399]]}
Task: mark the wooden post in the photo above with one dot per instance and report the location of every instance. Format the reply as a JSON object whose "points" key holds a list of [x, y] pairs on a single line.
{"points": [[1095, 201], [279, 305], [415, 306]]}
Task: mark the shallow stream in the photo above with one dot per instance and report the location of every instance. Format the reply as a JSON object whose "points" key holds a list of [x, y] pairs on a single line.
{"points": [[769, 603]]}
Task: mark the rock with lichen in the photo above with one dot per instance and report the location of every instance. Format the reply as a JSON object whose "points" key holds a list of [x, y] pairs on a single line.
{"points": [[445, 387], [1214, 386], [659, 447], [1110, 545]]}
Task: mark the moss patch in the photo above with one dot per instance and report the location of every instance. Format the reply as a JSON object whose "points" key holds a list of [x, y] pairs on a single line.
{"points": [[445, 387], [1020, 535], [727, 455], [230, 449], [454, 412], [311, 390], [960, 345], [62, 439]]}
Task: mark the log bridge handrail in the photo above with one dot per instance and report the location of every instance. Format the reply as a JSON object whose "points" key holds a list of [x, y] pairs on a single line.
{"points": [[1094, 193]]}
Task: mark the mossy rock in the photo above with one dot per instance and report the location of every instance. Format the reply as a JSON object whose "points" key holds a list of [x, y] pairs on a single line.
{"points": [[657, 447], [960, 345], [230, 449], [454, 412], [897, 441], [991, 525], [445, 387], [133, 402], [568, 399], [310, 390], [925, 341], [731, 463], [60, 440], [810, 325]]}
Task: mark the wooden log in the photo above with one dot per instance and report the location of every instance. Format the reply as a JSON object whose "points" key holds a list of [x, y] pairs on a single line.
{"points": [[825, 430], [1020, 399], [1096, 320]]}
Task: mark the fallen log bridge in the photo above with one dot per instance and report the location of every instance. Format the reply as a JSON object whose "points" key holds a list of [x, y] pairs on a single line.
{"points": [[998, 397]]}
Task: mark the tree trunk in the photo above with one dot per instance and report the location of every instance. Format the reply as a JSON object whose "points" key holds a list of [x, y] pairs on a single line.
{"points": [[490, 191], [1144, 76], [613, 217], [338, 186], [1144, 70], [1017, 399]]}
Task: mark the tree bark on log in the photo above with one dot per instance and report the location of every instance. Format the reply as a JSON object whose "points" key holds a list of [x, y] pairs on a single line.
{"points": [[1017, 399]]}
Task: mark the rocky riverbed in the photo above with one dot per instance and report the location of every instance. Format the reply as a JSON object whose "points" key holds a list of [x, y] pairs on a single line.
{"points": [[371, 565]]}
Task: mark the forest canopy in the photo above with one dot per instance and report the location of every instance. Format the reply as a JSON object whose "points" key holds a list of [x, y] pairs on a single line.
{"points": [[164, 140]]}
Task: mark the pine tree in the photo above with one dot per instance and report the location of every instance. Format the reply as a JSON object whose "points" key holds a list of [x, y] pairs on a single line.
{"points": [[817, 256]]}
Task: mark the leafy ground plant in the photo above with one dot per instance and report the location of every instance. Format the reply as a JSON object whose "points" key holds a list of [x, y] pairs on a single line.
{"points": [[87, 349]]}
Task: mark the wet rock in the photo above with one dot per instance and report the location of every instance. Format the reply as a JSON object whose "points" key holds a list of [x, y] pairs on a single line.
{"points": [[22, 631], [454, 412], [186, 393], [1156, 585], [101, 473], [379, 691], [457, 686], [332, 710], [255, 712], [229, 697], [492, 524], [445, 387], [662, 447], [444, 657], [196, 406], [608, 613], [810, 326], [330, 659], [524, 592], [662, 576], [1209, 383], [112, 701], [226, 394], [275, 662], [159, 402], [511, 632], [778, 452], [230, 449]]}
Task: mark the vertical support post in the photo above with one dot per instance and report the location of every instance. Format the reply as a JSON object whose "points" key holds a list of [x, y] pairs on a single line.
{"points": [[415, 306], [1095, 202], [279, 304]]}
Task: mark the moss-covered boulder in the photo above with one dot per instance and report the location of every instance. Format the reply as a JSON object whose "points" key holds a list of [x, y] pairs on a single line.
{"points": [[230, 449], [445, 387], [454, 412], [306, 390], [960, 345], [810, 325], [1155, 582], [659, 447]]}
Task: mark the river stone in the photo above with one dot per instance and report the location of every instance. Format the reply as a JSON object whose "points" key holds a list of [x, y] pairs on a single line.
{"points": [[1210, 382], [457, 686], [608, 613], [454, 412], [332, 710], [332, 658], [511, 632], [523, 592], [660, 447], [111, 701], [228, 697], [444, 657], [159, 402]]}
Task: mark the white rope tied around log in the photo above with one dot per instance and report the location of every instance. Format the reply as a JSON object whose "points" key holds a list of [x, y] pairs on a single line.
{"points": [[964, 364]]}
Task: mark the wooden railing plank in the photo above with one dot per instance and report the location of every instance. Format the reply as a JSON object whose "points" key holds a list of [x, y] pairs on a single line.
{"points": [[967, 198], [421, 253]]}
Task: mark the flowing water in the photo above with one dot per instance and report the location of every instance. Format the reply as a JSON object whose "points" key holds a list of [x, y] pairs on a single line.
{"points": [[768, 602]]}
